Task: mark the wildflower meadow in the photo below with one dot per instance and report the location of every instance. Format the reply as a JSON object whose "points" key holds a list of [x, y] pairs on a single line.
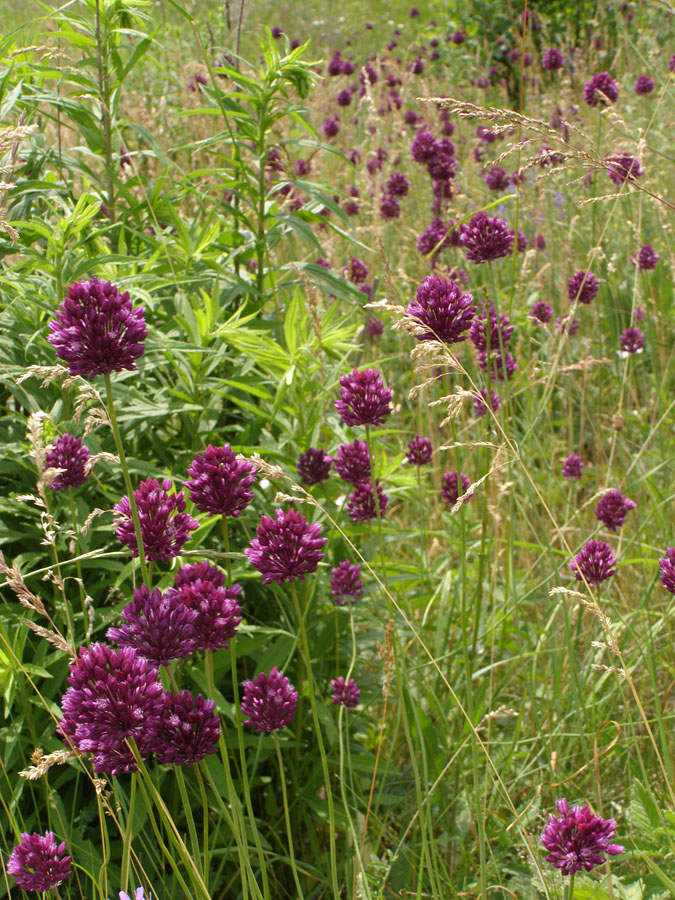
{"points": [[337, 405]]}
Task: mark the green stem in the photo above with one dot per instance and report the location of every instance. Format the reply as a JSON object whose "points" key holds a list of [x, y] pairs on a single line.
{"points": [[78, 566], [373, 482], [289, 830], [126, 848], [226, 542], [205, 821], [127, 479], [187, 806], [569, 892]]}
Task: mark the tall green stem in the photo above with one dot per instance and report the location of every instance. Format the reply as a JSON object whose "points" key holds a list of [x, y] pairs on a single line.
{"points": [[126, 848], [287, 817], [78, 565], [194, 841]]}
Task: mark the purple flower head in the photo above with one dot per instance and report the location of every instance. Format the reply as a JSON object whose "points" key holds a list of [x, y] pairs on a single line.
{"points": [[450, 489], [38, 863], [96, 330], [344, 97], [623, 167], [521, 242], [458, 37], [496, 179], [601, 88], [486, 238], [578, 839], [220, 482], [334, 67], [416, 66], [443, 194], [499, 334], [345, 581], [302, 166], [356, 271], [269, 701], [360, 504], [200, 588], [389, 207], [631, 340], [644, 85], [613, 508], [441, 307], [354, 157], [539, 242], [442, 166], [345, 693], [541, 311], [552, 59], [70, 454], [422, 147], [671, 63], [353, 462], [411, 117], [667, 570], [568, 324], [582, 287], [434, 238], [645, 258], [330, 127], [114, 696], [364, 400], [414, 12], [595, 562], [480, 403], [286, 548], [314, 466], [397, 185], [165, 526], [375, 326], [420, 451], [352, 207], [188, 730], [498, 364], [277, 31], [195, 80], [320, 261], [347, 67], [157, 626], [572, 467]]}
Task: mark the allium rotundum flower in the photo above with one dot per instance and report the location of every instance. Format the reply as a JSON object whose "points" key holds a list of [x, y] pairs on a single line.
{"points": [[357, 271], [422, 147], [582, 287], [353, 462], [96, 330], [667, 570], [631, 340], [450, 489], [486, 238], [645, 258], [499, 331], [568, 324], [595, 562], [420, 451], [188, 730], [397, 184], [496, 179], [157, 626], [541, 311], [573, 467], [552, 59], [644, 85], [269, 701], [286, 548], [200, 588], [314, 466], [360, 504], [330, 127], [375, 326], [601, 88], [364, 400], [70, 454], [480, 402], [499, 364], [389, 207], [114, 696], [165, 526], [578, 839], [623, 167], [38, 863], [441, 307], [345, 582], [434, 238], [345, 693], [613, 508], [221, 483]]}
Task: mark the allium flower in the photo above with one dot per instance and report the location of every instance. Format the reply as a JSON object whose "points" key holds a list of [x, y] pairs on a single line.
{"points": [[480, 403], [441, 307], [499, 325], [302, 166], [623, 167], [541, 311], [114, 696], [397, 184], [644, 85], [568, 324], [189, 729], [195, 80], [552, 59], [360, 504], [613, 508], [645, 258], [353, 462], [458, 37], [573, 466], [416, 66], [220, 482], [601, 89], [450, 489], [345, 581], [498, 364], [157, 626], [496, 179], [364, 400], [389, 207], [578, 839], [96, 330], [420, 451], [345, 693], [344, 97], [595, 562], [314, 466], [68, 453], [286, 548], [485, 238], [667, 567], [631, 340], [442, 165], [269, 701], [434, 238], [38, 863], [375, 326], [671, 63], [357, 271], [330, 127], [521, 242], [539, 242], [582, 287], [422, 147], [165, 526], [200, 588], [347, 67]]}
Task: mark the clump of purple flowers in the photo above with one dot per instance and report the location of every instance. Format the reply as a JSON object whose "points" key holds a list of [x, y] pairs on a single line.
{"points": [[96, 330], [345, 581], [552, 59], [159, 627], [38, 863], [667, 570], [541, 311], [345, 693], [601, 88], [221, 483], [269, 701], [70, 454], [644, 84], [200, 587], [646, 258], [573, 467], [499, 331], [361, 505], [595, 562], [165, 526], [422, 147], [568, 324], [441, 307], [613, 508], [286, 548], [397, 185], [420, 451], [364, 400], [582, 287], [188, 731], [434, 238], [496, 179], [480, 402], [631, 340], [500, 364], [486, 238], [578, 839], [357, 271], [450, 489], [623, 167], [314, 466], [330, 127], [353, 462]]}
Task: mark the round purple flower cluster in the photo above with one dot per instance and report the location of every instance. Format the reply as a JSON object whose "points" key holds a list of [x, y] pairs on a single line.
{"points": [[220, 482], [314, 466], [441, 307], [552, 59], [595, 562], [188, 730], [269, 701], [623, 167], [345, 693], [364, 400], [573, 467], [601, 88], [578, 839], [450, 489], [646, 258], [420, 451], [486, 238], [644, 84], [667, 570], [200, 588], [70, 454], [38, 863], [582, 287], [345, 582], [159, 627], [352, 462], [480, 403], [613, 508], [631, 340], [541, 311], [286, 548], [361, 505], [165, 526]]}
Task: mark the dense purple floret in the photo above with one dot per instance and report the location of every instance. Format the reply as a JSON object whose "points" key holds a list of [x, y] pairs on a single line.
{"points": [[486, 238], [644, 84], [200, 587], [314, 466], [499, 332], [420, 451], [286, 548], [480, 402], [360, 505], [595, 562], [578, 839], [631, 340], [165, 526], [364, 400], [646, 258], [499, 364], [220, 483], [582, 287], [613, 508], [345, 582], [623, 167], [450, 489], [397, 184], [345, 693], [157, 626], [188, 730], [441, 307], [667, 570], [422, 147], [552, 59], [352, 463], [495, 179], [541, 311], [269, 701], [601, 88], [38, 863], [68, 453], [573, 467]]}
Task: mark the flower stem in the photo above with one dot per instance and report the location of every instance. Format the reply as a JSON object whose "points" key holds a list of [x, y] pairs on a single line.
{"points": [[194, 841], [126, 848], [226, 542], [289, 830], [569, 891], [78, 565], [127, 479]]}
